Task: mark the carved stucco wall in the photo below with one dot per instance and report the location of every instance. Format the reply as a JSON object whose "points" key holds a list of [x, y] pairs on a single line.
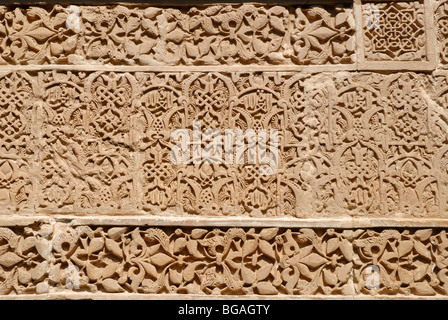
{"points": [[92, 205]]}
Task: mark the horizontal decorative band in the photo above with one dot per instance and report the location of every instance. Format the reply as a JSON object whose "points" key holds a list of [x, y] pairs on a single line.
{"points": [[87, 143], [60, 259], [216, 34]]}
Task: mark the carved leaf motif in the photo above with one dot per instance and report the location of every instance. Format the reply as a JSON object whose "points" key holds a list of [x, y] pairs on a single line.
{"points": [[95, 245], [267, 249], [114, 247], [112, 286], [131, 48], [9, 259], [405, 247], [24, 276], [39, 271], [189, 271], [151, 12], [314, 42], [423, 234], [260, 22], [405, 276], [277, 23], [40, 34], [146, 46], [338, 48], [198, 233], [420, 272], [132, 24], [323, 33], [343, 272], [332, 245], [305, 271], [42, 247], [56, 49], [116, 232], [264, 272], [277, 10], [347, 249], [268, 233], [330, 278], [422, 250], [192, 50], [93, 272], [306, 250], [175, 277], [176, 36], [150, 27], [207, 24], [192, 246], [341, 17], [424, 289], [249, 247], [260, 46], [350, 44], [248, 275], [5, 247], [313, 260], [266, 288], [59, 20], [150, 269], [109, 270], [179, 244], [161, 260]]}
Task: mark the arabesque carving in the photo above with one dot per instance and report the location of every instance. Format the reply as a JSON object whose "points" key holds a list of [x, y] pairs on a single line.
{"points": [[229, 261], [353, 144], [218, 34]]}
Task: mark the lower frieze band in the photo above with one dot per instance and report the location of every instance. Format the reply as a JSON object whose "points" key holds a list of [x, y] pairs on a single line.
{"points": [[59, 258]]}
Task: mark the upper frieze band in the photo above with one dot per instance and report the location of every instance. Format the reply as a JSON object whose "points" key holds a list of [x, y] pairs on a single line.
{"points": [[272, 36]]}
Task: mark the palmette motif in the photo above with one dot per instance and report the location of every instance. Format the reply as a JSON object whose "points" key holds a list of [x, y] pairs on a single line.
{"points": [[228, 261], [394, 31]]}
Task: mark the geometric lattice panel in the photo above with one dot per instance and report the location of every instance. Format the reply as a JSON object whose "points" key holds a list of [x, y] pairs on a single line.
{"points": [[395, 35]]}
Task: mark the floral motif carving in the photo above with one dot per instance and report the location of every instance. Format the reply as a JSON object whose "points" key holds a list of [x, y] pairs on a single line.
{"points": [[218, 34], [228, 261], [361, 144]]}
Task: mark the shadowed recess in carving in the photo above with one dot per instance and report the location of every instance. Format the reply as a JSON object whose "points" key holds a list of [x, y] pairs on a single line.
{"points": [[348, 144], [214, 35]]}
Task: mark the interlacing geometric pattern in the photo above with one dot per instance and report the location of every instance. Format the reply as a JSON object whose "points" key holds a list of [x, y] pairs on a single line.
{"points": [[92, 203]]}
